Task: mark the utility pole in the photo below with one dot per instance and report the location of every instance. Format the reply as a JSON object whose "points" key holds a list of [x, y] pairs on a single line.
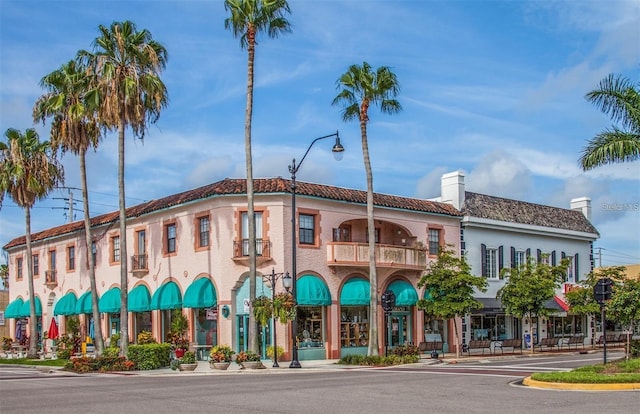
{"points": [[70, 206]]}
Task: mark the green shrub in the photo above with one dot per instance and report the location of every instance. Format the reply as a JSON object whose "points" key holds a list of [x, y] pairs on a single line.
{"points": [[406, 349], [189, 357], [99, 364], [379, 361], [635, 348], [150, 356], [111, 352], [146, 337]]}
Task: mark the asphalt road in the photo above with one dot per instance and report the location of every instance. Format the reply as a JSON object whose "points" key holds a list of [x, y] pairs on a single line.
{"points": [[477, 387]]}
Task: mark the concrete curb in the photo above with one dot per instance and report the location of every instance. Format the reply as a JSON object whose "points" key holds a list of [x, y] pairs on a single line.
{"points": [[580, 387]]}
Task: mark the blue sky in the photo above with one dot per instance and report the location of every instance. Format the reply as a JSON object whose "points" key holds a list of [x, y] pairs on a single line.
{"points": [[493, 88]]}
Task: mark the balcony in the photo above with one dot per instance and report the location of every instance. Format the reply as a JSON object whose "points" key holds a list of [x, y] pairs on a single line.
{"points": [[241, 251], [50, 279], [139, 265], [387, 256]]}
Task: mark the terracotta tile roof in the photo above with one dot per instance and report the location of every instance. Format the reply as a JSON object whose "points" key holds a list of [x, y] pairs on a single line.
{"points": [[504, 209], [238, 187]]}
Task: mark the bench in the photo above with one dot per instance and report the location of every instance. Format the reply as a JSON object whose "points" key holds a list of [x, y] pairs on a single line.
{"points": [[575, 340], [508, 343], [431, 346], [477, 344], [612, 339], [549, 343]]}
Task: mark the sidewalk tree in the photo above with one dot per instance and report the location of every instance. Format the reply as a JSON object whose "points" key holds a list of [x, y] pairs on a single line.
{"points": [[126, 63], [624, 305], [29, 170], [528, 287], [74, 128], [451, 287], [361, 87], [248, 18]]}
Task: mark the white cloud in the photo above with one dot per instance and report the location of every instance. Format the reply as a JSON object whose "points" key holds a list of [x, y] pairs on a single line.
{"points": [[500, 174]]}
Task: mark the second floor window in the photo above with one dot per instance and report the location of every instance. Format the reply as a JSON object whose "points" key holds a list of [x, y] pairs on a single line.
{"points": [[36, 265], [52, 260], [19, 268], [203, 236], [434, 241], [491, 263], [570, 275], [342, 234], [94, 252], [170, 231], [71, 256], [520, 258], [115, 249], [307, 230], [245, 233]]}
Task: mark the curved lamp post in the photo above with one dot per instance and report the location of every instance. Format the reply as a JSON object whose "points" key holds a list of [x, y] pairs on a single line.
{"points": [[286, 283], [337, 150]]}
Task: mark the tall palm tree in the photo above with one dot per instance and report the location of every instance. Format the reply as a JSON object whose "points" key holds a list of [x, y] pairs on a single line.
{"points": [[74, 128], [618, 97], [126, 64], [359, 88], [29, 170], [248, 18]]}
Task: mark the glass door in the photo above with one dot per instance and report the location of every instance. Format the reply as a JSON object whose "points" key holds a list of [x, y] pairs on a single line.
{"points": [[398, 328]]}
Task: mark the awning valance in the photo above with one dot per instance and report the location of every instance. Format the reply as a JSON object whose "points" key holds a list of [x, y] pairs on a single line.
{"points": [[312, 291], [406, 295], [25, 311], [200, 294], [66, 305], [13, 309], [110, 301], [490, 305], [83, 305], [355, 293], [556, 304], [139, 299], [168, 296]]}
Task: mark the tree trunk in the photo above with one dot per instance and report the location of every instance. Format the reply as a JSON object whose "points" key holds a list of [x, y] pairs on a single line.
{"points": [[253, 328], [373, 278], [99, 345], [33, 322], [124, 285], [455, 331]]}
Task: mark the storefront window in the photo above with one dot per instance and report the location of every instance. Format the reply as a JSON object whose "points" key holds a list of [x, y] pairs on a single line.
{"points": [[565, 326], [354, 326], [491, 327], [311, 331], [433, 329], [142, 321]]}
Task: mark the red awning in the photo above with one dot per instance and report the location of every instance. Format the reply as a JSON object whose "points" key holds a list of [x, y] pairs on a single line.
{"points": [[562, 303]]}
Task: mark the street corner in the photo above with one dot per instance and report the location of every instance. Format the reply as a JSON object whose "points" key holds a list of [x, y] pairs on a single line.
{"points": [[564, 386]]}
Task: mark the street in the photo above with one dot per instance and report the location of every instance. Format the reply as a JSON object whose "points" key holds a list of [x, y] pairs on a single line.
{"points": [[482, 386]]}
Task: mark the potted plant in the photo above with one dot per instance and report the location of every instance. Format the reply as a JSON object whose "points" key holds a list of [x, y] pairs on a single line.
{"points": [[187, 362], [262, 310], [177, 337], [248, 359], [220, 357], [284, 307]]}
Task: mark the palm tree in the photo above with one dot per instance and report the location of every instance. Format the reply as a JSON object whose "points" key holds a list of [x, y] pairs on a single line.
{"points": [[360, 87], [29, 170], [248, 18], [126, 64], [74, 128], [618, 97]]}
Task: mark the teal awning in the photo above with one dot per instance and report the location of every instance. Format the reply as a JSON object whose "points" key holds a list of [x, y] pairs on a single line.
{"points": [[406, 295], [312, 291], [200, 294], [427, 294], [168, 296], [66, 305], [139, 299], [83, 305], [25, 312], [13, 309], [110, 301], [355, 293]]}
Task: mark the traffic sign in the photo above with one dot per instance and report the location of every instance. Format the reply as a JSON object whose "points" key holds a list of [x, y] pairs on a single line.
{"points": [[602, 290]]}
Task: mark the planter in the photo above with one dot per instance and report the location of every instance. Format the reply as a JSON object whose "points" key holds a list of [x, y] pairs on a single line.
{"points": [[187, 367], [219, 365], [251, 364]]}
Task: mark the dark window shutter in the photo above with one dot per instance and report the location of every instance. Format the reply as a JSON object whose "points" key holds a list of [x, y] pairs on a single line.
{"points": [[483, 259], [539, 255], [500, 261], [553, 258], [528, 253], [513, 257], [576, 275]]}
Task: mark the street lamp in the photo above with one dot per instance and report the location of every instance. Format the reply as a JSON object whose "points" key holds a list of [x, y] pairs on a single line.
{"points": [[286, 283], [337, 150]]}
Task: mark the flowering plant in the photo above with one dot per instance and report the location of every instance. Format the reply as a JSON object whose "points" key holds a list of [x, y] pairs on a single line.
{"points": [[221, 353], [245, 356]]}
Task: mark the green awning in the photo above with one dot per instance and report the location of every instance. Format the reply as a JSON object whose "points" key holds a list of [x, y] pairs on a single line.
{"points": [[13, 309], [355, 293], [66, 305], [110, 301], [139, 299], [427, 295], [200, 294], [83, 305], [406, 295], [312, 291], [25, 312], [168, 296]]}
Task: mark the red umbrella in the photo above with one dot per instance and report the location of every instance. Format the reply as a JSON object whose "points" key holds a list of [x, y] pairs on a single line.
{"points": [[53, 329]]}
